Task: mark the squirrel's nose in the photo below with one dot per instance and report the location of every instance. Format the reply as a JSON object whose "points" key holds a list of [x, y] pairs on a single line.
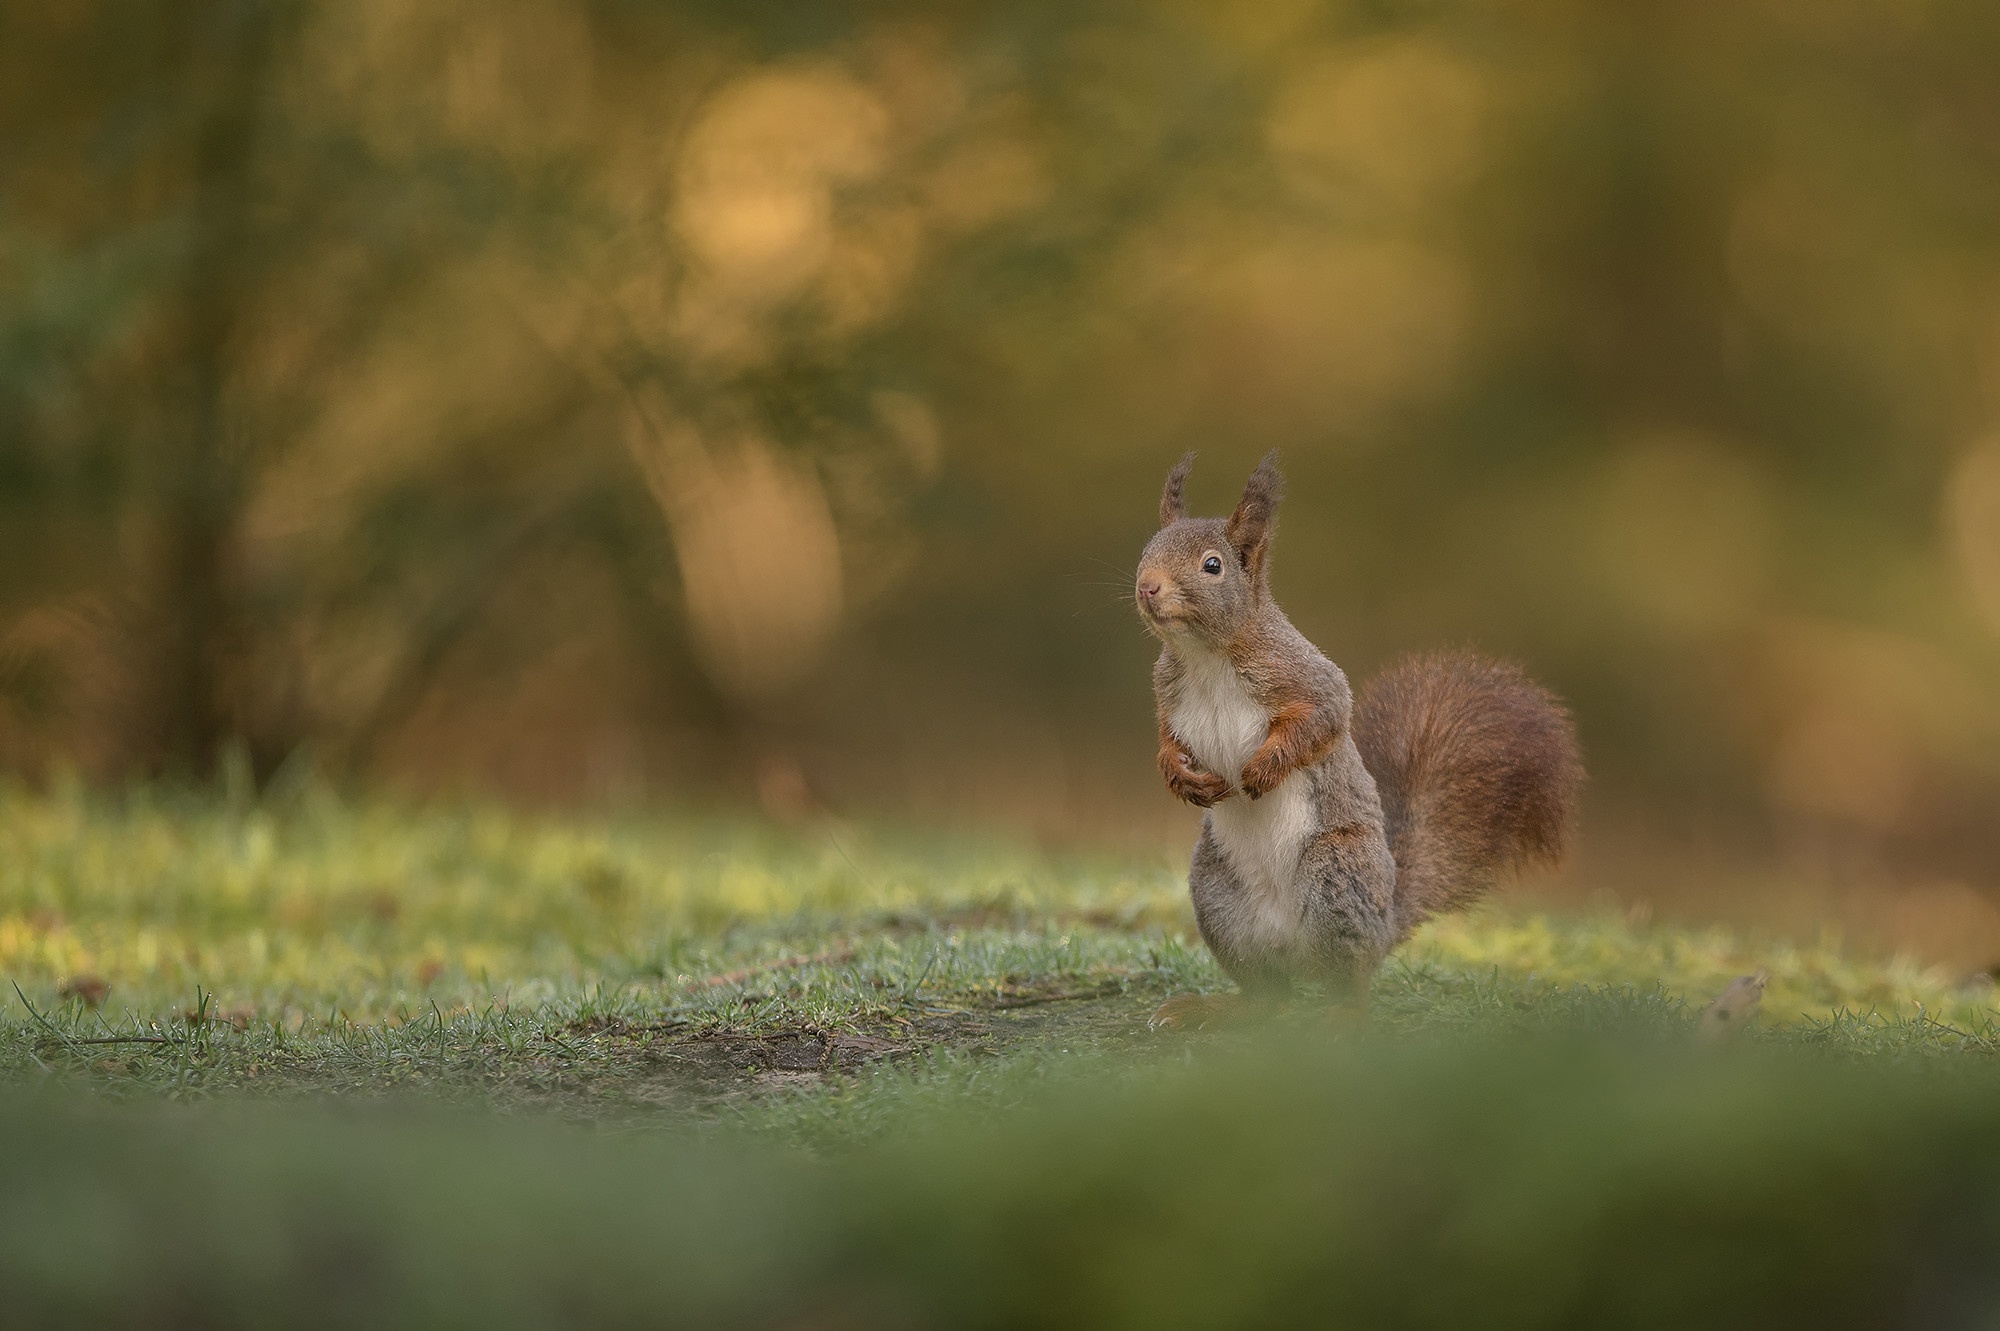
{"points": [[1149, 587]]}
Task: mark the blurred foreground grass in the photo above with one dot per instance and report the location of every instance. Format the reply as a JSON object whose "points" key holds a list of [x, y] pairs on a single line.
{"points": [[1526, 1135], [1532, 1181], [676, 964]]}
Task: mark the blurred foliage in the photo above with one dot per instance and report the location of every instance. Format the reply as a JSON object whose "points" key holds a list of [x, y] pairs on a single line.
{"points": [[605, 396], [1602, 1181]]}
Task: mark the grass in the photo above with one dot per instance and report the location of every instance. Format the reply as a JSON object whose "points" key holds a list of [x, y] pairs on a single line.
{"points": [[692, 967], [1453, 1183], [256, 1046]]}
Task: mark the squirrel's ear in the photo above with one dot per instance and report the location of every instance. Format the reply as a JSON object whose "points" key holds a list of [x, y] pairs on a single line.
{"points": [[1172, 507], [1256, 513]]}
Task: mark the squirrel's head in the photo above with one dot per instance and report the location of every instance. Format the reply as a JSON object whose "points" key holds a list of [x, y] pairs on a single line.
{"points": [[1206, 577]]}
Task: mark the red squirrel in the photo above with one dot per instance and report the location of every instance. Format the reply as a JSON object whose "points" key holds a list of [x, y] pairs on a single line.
{"points": [[1333, 828]]}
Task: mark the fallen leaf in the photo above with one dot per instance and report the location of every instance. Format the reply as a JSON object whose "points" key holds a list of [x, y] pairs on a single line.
{"points": [[91, 989], [1734, 1006]]}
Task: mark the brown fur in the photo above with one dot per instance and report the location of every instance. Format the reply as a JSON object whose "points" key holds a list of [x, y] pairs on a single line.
{"points": [[1477, 768], [1253, 523], [1308, 699], [1302, 733], [1173, 507], [1306, 696], [1451, 770], [1188, 779]]}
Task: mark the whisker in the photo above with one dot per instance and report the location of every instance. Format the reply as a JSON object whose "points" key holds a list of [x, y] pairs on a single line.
{"points": [[1120, 569]]}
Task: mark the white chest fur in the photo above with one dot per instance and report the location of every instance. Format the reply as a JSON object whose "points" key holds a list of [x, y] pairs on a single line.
{"points": [[1222, 725], [1216, 717]]}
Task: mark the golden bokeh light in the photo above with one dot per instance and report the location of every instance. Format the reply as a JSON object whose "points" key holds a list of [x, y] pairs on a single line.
{"points": [[1972, 523], [1683, 532], [1393, 122]]}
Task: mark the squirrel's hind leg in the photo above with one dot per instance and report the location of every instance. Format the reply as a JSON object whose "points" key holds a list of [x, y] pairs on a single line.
{"points": [[1263, 976], [1348, 915], [1200, 1012]]}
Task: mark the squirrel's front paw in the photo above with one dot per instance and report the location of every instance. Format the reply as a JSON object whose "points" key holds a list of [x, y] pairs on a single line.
{"points": [[1196, 785], [1264, 775]]}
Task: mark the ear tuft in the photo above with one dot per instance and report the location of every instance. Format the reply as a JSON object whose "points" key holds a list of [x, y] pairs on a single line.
{"points": [[1172, 507], [1251, 525]]}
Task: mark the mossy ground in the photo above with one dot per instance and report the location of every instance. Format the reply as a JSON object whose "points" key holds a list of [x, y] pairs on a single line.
{"points": [[693, 967]]}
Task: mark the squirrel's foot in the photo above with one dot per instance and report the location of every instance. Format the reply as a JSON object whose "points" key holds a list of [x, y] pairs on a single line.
{"points": [[1194, 1012], [1348, 1016], [1194, 784]]}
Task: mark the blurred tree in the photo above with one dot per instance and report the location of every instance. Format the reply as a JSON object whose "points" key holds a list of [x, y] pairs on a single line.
{"points": [[576, 393]]}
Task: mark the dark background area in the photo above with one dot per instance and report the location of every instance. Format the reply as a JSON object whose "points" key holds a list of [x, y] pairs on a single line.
{"points": [[620, 401]]}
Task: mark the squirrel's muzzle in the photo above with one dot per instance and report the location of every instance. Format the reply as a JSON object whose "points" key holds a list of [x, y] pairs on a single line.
{"points": [[1157, 598]]}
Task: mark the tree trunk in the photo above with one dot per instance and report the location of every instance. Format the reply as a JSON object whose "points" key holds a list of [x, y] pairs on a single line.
{"points": [[199, 605]]}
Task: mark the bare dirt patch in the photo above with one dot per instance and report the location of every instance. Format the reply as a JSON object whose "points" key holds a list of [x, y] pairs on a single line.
{"points": [[672, 1063]]}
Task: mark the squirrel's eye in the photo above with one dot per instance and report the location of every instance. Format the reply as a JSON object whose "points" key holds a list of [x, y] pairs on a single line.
{"points": [[1212, 565]]}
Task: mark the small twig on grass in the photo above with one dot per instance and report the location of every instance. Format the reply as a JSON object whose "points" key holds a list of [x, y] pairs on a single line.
{"points": [[74, 1041], [1924, 1016], [833, 958], [1066, 995], [46, 1024]]}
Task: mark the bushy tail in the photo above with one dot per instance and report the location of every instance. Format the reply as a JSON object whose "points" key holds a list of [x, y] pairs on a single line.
{"points": [[1478, 769]]}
